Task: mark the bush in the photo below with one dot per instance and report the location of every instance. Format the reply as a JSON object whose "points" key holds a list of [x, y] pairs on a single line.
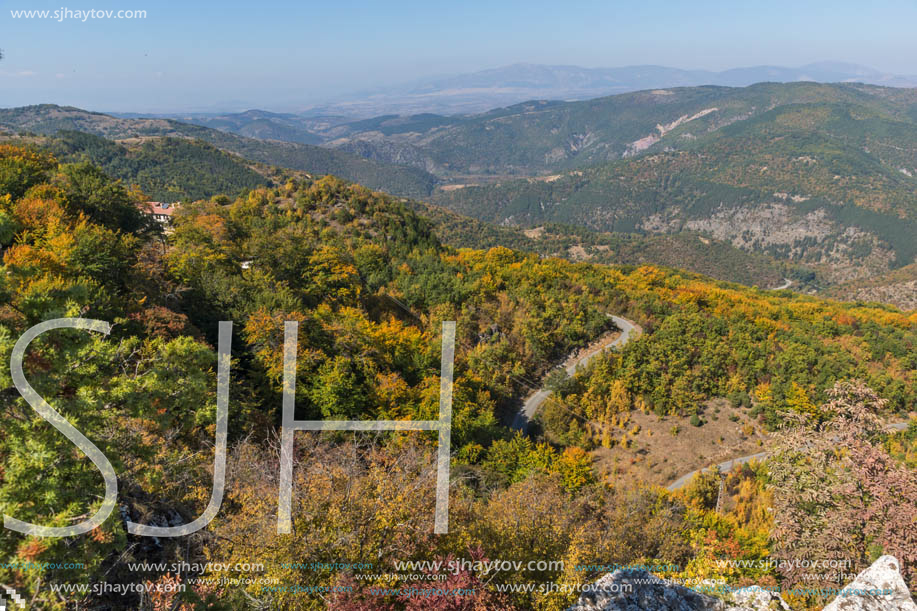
{"points": [[740, 399]]}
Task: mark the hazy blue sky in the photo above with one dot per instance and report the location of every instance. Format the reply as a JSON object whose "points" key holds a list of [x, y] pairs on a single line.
{"points": [[197, 54]]}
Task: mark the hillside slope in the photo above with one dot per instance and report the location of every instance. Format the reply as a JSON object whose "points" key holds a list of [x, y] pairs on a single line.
{"points": [[829, 184], [689, 251], [898, 287], [259, 124], [541, 136], [487, 89], [49, 119], [165, 169]]}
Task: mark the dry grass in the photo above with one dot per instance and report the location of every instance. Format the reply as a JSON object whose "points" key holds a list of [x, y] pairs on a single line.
{"points": [[657, 456]]}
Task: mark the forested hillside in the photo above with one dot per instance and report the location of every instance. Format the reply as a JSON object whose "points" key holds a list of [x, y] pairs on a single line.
{"points": [[370, 284], [49, 119], [898, 288], [165, 169], [172, 169], [808, 174], [540, 137], [829, 184], [259, 124], [688, 251]]}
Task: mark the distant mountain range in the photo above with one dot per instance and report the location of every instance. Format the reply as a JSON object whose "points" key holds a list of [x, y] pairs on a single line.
{"points": [[489, 89], [449, 100], [483, 91], [259, 124], [540, 137]]}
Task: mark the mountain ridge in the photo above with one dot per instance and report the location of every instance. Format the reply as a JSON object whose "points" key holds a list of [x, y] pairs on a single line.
{"points": [[49, 119], [482, 90]]}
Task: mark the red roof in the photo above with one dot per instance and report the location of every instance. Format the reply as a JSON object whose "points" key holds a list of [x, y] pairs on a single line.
{"points": [[160, 208]]}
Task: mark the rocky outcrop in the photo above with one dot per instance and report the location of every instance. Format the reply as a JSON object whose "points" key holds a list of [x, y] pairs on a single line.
{"points": [[638, 590], [860, 595], [756, 599]]}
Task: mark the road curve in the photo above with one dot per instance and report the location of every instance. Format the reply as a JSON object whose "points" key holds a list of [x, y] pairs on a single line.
{"points": [[787, 283], [730, 464], [629, 331]]}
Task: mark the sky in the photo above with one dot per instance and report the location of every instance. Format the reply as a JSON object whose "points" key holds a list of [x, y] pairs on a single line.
{"points": [[199, 55]]}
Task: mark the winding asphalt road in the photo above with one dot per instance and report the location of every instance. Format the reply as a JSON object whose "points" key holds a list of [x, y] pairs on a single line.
{"points": [[728, 465], [787, 283], [629, 331]]}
